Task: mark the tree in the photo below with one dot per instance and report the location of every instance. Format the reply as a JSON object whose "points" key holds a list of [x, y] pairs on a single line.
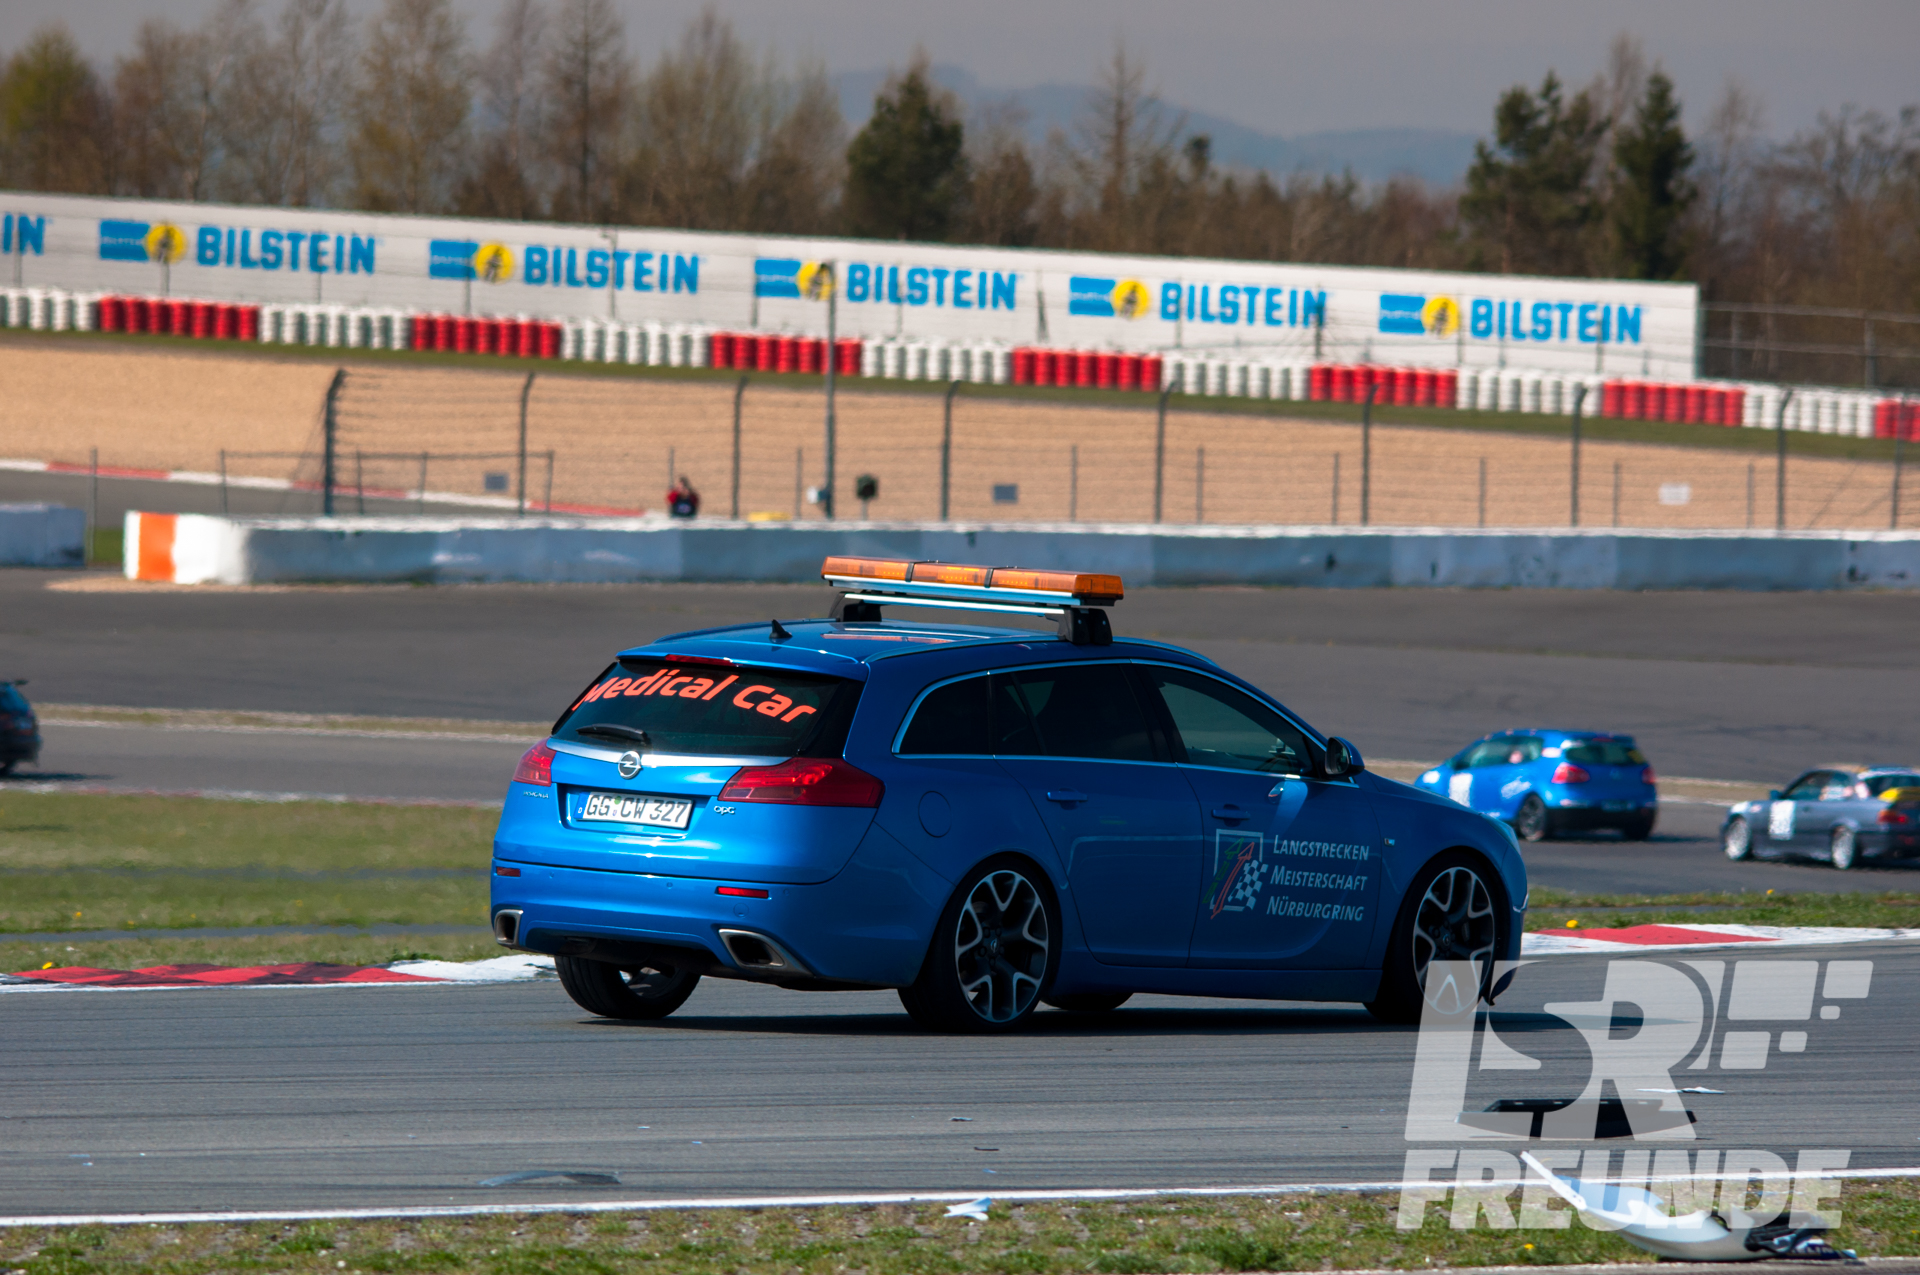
{"points": [[1647, 207], [907, 168], [410, 112], [168, 100], [501, 182], [1529, 202], [700, 108], [1123, 136], [282, 132], [587, 86], [1002, 201], [53, 117]]}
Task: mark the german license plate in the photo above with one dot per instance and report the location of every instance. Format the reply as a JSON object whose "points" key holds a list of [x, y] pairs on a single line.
{"points": [[1619, 805], [638, 809]]}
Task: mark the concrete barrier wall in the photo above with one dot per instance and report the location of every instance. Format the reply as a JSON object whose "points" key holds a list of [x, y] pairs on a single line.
{"points": [[191, 549], [42, 536]]}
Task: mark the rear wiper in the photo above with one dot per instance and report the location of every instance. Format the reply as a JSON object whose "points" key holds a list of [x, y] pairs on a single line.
{"points": [[614, 731]]}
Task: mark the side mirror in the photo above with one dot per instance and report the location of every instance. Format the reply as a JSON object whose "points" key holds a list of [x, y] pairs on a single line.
{"points": [[1343, 759], [1773, 794]]}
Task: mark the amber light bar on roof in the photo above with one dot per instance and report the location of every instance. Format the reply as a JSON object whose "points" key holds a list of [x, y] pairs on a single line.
{"points": [[963, 582]]}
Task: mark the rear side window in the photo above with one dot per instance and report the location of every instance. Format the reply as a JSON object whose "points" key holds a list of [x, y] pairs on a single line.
{"points": [[712, 709], [1605, 752], [1088, 711], [953, 720]]}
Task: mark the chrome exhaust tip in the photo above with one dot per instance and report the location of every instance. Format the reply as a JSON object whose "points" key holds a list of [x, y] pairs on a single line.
{"points": [[756, 953], [506, 927]]}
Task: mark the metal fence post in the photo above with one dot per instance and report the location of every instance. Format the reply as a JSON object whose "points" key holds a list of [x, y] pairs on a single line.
{"points": [[1780, 464], [526, 390], [223, 480], [946, 451], [1904, 410], [833, 300], [1366, 456], [93, 499], [739, 393], [1160, 451], [332, 439], [1573, 486]]}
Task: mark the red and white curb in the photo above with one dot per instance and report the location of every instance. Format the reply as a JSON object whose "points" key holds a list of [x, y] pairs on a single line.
{"points": [[524, 967], [1639, 938], [518, 968]]}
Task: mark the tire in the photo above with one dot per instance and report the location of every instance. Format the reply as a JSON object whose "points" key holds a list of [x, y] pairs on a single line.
{"points": [[1843, 848], [6, 767], [1090, 1002], [1736, 840], [1532, 822], [994, 953], [1639, 830], [1451, 912], [640, 994]]}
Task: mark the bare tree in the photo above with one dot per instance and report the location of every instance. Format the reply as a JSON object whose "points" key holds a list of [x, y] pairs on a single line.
{"points": [[700, 110], [284, 129], [168, 97], [410, 110], [501, 183], [1002, 204], [1123, 134], [587, 84]]}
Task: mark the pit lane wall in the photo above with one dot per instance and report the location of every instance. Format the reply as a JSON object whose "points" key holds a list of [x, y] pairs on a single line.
{"points": [[201, 549], [42, 536]]}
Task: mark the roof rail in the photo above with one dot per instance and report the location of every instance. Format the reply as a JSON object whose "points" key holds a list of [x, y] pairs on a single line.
{"points": [[1075, 598]]}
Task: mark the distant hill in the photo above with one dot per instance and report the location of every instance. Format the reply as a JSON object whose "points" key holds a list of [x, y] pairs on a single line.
{"points": [[1439, 156]]}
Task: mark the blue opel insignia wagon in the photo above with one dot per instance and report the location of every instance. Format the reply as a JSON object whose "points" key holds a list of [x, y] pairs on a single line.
{"points": [[986, 819]]}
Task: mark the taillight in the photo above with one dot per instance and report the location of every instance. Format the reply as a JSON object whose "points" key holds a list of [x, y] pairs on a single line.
{"points": [[1568, 773], [1646, 777], [805, 781], [1890, 815], [536, 767]]}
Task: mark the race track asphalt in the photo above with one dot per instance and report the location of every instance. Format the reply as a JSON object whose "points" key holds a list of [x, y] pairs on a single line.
{"points": [[411, 1096]]}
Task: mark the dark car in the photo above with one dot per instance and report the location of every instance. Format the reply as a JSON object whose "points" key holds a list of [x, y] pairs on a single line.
{"points": [[19, 732], [984, 818], [1839, 816]]}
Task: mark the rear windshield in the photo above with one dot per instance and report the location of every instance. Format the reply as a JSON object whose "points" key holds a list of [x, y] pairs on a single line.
{"points": [[712, 709], [11, 701], [1877, 784], [1605, 752]]}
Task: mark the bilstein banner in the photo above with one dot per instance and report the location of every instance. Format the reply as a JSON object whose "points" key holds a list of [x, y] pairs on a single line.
{"points": [[885, 288]]}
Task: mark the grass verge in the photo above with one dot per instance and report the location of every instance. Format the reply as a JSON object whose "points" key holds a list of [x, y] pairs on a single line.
{"points": [[72, 862], [1552, 909], [1233, 1233]]}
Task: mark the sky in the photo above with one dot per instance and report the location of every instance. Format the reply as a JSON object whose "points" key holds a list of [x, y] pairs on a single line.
{"points": [[1281, 66]]}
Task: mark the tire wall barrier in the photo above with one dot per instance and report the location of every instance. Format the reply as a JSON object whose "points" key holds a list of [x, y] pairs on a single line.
{"points": [[36, 535], [194, 549]]}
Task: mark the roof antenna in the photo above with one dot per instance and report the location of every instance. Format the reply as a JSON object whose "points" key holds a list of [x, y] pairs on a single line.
{"points": [[779, 633]]}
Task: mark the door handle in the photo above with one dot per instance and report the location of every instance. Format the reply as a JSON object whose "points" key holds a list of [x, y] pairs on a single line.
{"points": [[1229, 812], [1066, 796]]}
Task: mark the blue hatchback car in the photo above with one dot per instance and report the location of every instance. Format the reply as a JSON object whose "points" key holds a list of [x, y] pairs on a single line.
{"points": [[986, 819], [1548, 782]]}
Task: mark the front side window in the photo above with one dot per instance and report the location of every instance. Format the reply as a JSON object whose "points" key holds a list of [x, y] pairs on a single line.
{"points": [[1088, 711], [1223, 726], [1491, 752], [1807, 787], [711, 709]]}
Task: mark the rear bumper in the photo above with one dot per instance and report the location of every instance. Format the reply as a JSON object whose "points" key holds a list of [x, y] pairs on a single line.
{"points": [[1876, 844], [19, 748], [1574, 815], [868, 925]]}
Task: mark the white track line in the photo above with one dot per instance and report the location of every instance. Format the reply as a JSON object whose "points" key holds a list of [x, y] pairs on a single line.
{"points": [[783, 1202]]}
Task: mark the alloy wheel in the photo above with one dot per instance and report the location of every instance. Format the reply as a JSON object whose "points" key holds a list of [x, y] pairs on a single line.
{"points": [[1001, 945], [1455, 922]]}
